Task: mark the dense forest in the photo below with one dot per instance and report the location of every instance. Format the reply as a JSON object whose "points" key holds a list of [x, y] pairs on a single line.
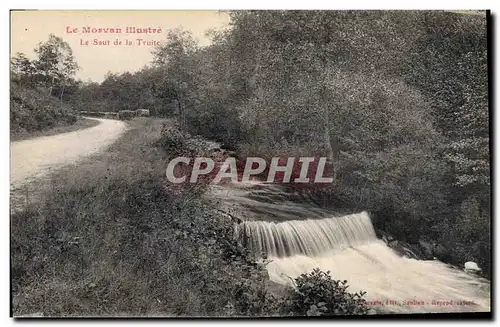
{"points": [[398, 101]]}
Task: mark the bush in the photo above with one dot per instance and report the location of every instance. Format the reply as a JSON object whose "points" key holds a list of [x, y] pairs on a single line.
{"points": [[217, 123], [317, 294], [172, 140], [34, 110]]}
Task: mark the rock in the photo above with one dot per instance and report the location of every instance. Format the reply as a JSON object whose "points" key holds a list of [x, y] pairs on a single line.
{"points": [[414, 251], [411, 254], [471, 266], [427, 250], [397, 248], [384, 238], [441, 252], [403, 249]]}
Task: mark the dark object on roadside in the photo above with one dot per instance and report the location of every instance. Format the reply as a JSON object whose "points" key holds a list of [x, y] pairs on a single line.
{"points": [[142, 112], [126, 114]]}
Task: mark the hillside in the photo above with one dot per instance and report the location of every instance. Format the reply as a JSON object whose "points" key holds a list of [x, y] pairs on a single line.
{"points": [[33, 110]]}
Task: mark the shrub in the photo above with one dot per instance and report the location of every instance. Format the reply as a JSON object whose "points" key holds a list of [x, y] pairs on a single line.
{"points": [[172, 140], [33, 109], [317, 294]]}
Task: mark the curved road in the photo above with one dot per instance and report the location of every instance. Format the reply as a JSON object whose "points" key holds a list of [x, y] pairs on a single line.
{"points": [[32, 158]]}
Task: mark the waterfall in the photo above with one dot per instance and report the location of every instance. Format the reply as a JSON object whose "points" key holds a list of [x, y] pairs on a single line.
{"points": [[308, 237], [348, 247], [295, 236]]}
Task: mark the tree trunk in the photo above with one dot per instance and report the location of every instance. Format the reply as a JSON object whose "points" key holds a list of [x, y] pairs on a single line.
{"points": [[328, 139], [181, 114], [332, 143], [51, 86], [62, 93]]}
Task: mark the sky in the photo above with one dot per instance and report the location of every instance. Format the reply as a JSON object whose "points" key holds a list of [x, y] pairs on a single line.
{"points": [[28, 28]]}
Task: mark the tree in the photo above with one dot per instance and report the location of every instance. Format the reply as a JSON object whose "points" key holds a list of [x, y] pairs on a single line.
{"points": [[175, 59], [22, 69], [449, 66], [469, 150], [179, 44], [55, 65]]}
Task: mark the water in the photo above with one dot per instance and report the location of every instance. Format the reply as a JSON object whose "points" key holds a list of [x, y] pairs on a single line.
{"points": [[309, 237], [410, 284], [347, 246]]}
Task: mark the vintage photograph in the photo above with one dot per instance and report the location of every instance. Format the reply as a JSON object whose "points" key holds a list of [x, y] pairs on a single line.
{"points": [[250, 163]]}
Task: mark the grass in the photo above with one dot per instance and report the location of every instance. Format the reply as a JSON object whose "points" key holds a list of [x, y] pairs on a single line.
{"points": [[107, 237], [81, 123]]}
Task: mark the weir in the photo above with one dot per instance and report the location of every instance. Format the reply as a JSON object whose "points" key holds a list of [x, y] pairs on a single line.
{"points": [[308, 237], [295, 235], [348, 247]]}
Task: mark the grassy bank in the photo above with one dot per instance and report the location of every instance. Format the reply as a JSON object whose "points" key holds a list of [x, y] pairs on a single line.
{"points": [[33, 109], [80, 123], [108, 238]]}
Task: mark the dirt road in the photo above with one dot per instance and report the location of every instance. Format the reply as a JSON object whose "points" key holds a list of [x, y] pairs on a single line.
{"points": [[30, 159]]}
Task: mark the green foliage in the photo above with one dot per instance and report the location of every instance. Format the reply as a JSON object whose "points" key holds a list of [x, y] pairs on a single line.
{"points": [[172, 140], [55, 61], [54, 67], [35, 82], [33, 110], [22, 69], [317, 294], [450, 67]]}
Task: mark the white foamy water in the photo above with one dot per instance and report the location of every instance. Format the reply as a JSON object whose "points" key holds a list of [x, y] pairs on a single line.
{"points": [[311, 236], [347, 246], [414, 285]]}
